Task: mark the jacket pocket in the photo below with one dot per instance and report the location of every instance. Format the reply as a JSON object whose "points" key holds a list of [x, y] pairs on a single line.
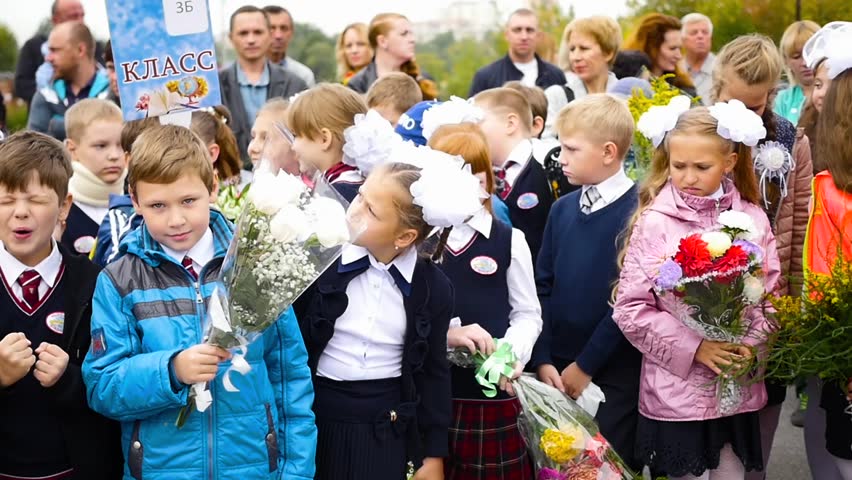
{"points": [[271, 440], [136, 452]]}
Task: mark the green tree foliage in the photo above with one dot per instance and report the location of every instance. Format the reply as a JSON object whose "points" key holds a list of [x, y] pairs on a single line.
{"points": [[8, 49], [316, 50], [732, 18]]}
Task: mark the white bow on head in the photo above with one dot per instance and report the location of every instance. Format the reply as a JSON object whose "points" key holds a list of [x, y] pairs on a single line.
{"points": [[369, 143], [833, 42], [661, 119], [452, 112], [737, 123]]}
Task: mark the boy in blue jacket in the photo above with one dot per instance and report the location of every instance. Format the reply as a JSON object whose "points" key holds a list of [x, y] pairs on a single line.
{"points": [[147, 332], [577, 266]]}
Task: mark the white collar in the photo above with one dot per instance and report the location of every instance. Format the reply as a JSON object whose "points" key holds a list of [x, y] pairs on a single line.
{"points": [[520, 154], [479, 222], [48, 268], [201, 253], [404, 262], [718, 193], [613, 187]]}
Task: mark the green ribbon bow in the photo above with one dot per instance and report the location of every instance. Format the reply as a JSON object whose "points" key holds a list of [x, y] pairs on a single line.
{"points": [[500, 363]]}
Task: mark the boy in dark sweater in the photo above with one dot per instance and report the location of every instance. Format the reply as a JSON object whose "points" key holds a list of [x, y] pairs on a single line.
{"points": [[577, 266], [521, 180], [47, 430]]}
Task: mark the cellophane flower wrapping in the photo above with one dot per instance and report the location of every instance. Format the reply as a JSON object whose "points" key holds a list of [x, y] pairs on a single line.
{"points": [[711, 285], [287, 235], [563, 440]]}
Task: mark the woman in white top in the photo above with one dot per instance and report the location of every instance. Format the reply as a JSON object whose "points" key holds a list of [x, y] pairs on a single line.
{"points": [[587, 52]]}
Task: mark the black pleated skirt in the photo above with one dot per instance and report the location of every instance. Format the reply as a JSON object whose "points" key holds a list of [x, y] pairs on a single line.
{"points": [[678, 449], [361, 429]]}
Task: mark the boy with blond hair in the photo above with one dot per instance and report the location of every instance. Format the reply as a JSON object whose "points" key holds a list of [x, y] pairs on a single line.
{"points": [[579, 342], [394, 94], [47, 430], [93, 138], [147, 329], [521, 180]]}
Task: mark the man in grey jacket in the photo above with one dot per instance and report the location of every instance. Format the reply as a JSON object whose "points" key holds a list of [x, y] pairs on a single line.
{"points": [[282, 32], [252, 80]]}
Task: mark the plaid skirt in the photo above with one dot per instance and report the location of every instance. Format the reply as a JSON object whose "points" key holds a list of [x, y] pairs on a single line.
{"points": [[485, 442]]}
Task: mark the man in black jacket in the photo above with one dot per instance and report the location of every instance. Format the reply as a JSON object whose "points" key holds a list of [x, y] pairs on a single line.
{"points": [[521, 63], [31, 56], [252, 80]]}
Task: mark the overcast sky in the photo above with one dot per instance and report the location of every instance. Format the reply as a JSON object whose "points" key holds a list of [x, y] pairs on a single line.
{"points": [[25, 16]]}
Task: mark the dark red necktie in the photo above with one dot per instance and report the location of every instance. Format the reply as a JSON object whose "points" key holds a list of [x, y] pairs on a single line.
{"points": [[29, 282], [187, 264]]}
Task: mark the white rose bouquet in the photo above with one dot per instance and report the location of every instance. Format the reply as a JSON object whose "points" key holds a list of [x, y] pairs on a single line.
{"points": [[286, 236]]}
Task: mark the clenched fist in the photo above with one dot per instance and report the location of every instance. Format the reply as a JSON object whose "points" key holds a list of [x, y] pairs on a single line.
{"points": [[16, 358], [51, 364], [199, 363]]}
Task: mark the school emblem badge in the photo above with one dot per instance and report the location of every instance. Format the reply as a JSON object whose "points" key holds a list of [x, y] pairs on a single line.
{"points": [[84, 244], [484, 265], [527, 201], [56, 322]]}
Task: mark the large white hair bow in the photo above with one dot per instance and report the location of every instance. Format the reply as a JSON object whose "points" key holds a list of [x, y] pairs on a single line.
{"points": [[661, 119], [832, 43], [737, 123], [454, 111], [447, 192], [369, 143]]}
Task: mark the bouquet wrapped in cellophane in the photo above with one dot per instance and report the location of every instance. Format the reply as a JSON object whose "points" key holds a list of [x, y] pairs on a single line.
{"points": [[710, 284], [286, 236], [563, 440]]}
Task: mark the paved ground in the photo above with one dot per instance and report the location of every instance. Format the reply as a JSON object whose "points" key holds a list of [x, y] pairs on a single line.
{"points": [[788, 460]]}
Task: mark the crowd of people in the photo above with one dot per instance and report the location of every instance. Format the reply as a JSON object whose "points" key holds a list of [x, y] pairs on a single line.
{"points": [[113, 233]]}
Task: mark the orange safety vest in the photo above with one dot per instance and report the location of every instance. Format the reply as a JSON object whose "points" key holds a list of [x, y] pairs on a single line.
{"points": [[829, 227]]}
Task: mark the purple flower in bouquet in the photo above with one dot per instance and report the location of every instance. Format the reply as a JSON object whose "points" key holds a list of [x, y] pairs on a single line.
{"points": [[752, 249], [670, 274], [551, 474]]}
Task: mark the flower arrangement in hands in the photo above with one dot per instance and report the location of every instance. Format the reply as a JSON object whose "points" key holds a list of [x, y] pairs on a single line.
{"points": [[287, 235], [562, 438], [709, 285]]}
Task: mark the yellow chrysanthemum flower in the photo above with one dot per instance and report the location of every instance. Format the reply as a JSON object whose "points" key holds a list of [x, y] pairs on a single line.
{"points": [[559, 445]]}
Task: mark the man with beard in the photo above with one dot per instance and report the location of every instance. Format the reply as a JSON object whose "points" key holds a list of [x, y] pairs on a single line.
{"points": [[71, 53]]}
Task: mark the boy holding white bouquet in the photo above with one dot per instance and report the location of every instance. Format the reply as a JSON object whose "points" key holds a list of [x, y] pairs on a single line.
{"points": [[147, 335]]}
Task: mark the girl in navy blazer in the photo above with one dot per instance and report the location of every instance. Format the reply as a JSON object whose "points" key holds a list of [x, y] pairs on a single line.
{"points": [[375, 327]]}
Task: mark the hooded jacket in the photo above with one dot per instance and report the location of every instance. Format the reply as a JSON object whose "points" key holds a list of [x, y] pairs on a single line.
{"points": [[147, 309], [673, 385]]}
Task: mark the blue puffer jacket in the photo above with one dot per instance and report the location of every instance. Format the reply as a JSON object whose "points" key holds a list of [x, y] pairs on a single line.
{"points": [[145, 311]]}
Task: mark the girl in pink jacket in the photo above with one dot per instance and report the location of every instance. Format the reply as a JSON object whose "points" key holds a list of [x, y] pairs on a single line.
{"points": [[695, 175]]}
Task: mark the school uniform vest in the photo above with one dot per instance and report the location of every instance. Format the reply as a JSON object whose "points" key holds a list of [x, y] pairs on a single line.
{"points": [[31, 439], [479, 273], [80, 232], [529, 204], [346, 179]]}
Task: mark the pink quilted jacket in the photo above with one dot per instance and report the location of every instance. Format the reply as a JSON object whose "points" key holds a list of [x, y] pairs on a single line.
{"points": [[674, 387]]}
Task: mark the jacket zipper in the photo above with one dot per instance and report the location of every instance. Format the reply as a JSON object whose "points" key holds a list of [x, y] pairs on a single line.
{"points": [[199, 301]]}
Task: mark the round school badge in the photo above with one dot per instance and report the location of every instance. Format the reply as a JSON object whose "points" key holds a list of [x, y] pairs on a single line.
{"points": [[527, 201], [484, 265], [56, 322], [84, 244]]}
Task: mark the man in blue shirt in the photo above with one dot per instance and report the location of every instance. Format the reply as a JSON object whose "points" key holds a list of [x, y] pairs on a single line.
{"points": [[252, 79]]}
